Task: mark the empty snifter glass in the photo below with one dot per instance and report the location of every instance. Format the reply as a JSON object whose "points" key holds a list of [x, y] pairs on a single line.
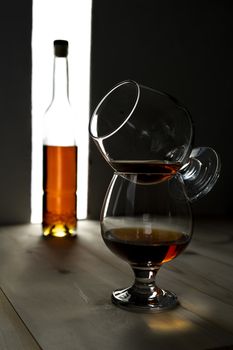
{"points": [[141, 130]]}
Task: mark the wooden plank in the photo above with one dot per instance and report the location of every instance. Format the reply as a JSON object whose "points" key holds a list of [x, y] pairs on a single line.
{"points": [[13, 333], [61, 289]]}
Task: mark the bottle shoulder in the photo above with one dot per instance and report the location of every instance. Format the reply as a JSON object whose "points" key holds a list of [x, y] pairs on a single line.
{"points": [[57, 106], [59, 113]]}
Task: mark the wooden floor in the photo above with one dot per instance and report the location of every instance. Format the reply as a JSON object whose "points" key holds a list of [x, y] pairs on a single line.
{"points": [[55, 294]]}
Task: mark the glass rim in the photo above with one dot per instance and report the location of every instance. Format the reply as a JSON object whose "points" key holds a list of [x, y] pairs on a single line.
{"points": [[94, 115]]}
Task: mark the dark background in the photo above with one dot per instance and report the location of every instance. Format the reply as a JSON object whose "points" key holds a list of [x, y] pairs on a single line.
{"points": [[15, 111], [182, 47]]}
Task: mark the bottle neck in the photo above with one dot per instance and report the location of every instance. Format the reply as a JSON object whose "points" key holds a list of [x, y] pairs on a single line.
{"points": [[60, 80]]}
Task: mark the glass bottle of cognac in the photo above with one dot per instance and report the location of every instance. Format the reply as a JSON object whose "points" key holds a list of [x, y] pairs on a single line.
{"points": [[59, 154]]}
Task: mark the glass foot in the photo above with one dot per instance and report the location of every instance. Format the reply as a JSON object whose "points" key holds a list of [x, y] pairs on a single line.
{"points": [[157, 301], [201, 172]]}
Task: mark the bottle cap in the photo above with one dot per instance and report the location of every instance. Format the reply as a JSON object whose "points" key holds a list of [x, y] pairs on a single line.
{"points": [[60, 48]]}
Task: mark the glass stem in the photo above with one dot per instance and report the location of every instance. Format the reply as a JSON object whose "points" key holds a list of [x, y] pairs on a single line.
{"points": [[145, 280], [191, 170]]}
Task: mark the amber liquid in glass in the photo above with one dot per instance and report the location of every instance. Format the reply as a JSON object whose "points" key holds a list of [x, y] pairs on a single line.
{"points": [[60, 186], [146, 171], [145, 247]]}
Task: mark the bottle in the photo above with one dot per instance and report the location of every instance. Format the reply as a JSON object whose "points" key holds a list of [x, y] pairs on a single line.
{"points": [[59, 154]]}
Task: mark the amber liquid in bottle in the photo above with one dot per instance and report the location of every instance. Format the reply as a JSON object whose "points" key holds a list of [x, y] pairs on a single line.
{"points": [[60, 186], [142, 248]]}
